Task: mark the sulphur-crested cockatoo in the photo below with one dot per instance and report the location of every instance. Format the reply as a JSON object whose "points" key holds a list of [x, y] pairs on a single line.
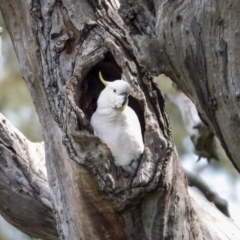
{"points": [[117, 125]]}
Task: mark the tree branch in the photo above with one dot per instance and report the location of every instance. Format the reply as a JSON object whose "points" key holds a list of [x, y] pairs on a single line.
{"points": [[196, 181], [25, 195], [213, 223]]}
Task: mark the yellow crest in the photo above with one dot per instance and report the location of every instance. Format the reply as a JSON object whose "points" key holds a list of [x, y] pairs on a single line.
{"points": [[105, 83]]}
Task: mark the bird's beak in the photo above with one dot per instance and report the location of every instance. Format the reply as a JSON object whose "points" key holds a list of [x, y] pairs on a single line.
{"points": [[125, 99]]}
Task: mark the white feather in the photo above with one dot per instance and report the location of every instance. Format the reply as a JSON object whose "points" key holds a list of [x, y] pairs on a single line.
{"points": [[118, 125]]}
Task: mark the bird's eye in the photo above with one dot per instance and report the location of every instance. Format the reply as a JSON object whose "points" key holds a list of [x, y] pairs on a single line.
{"points": [[114, 90]]}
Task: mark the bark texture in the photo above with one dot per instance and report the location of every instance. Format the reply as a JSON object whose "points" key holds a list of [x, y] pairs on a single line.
{"points": [[61, 46], [25, 195], [213, 223], [26, 203], [199, 41]]}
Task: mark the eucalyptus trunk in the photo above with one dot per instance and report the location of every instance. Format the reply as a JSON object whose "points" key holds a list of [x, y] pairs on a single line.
{"points": [[61, 47]]}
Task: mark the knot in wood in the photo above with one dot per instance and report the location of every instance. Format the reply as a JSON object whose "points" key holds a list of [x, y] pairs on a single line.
{"points": [[213, 103], [179, 18]]}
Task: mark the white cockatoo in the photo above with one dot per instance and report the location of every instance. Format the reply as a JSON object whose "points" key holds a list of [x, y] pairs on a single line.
{"points": [[117, 125]]}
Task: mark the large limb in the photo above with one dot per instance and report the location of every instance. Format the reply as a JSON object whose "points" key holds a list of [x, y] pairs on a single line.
{"points": [[25, 198], [199, 44], [213, 223]]}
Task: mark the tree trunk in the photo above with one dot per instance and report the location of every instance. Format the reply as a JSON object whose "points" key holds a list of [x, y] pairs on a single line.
{"points": [[199, 42], [61, 46], [26, 201]]}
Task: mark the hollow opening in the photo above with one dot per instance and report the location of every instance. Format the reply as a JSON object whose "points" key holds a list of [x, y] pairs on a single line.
{"points": [[91, 87]]}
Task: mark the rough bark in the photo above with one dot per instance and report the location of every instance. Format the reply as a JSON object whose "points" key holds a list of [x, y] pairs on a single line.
{"points": [[26, 202], [214, 225], [61, 69], [61, 46], [199, 41], [25, 195]]}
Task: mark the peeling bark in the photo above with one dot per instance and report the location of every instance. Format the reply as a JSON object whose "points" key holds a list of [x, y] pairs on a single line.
{"points": [[61, 46]]}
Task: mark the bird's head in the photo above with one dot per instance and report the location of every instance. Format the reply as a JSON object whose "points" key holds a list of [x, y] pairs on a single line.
{"points": [[115, 94]]}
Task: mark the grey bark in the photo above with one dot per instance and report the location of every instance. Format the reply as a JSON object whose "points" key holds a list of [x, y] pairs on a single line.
{"points": [[61, 46], [213, 223], [199, 43], [25, 195], [26, 202]]}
